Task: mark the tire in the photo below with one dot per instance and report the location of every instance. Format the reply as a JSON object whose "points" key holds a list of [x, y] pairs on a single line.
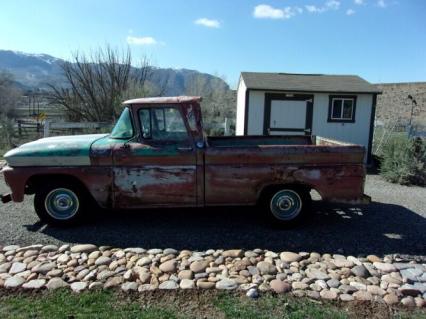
{"points": [[60, 203], [287, 206]]}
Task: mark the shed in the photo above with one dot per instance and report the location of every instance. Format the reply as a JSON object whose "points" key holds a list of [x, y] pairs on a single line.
{"points": [[341, 107]]}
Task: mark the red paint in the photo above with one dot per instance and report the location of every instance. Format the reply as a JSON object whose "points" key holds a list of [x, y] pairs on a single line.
{"points": [[202, 171]]}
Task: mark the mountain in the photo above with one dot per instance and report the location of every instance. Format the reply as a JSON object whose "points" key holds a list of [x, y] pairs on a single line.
{"points": [[36, 71]]}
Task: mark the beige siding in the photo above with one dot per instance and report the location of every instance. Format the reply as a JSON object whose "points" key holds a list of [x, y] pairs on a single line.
{"points": [[241, 104], [256, 108], [357, 132]]}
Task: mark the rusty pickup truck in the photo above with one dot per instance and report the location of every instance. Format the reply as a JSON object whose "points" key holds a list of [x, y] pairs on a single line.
{"points": [[157, 155]]}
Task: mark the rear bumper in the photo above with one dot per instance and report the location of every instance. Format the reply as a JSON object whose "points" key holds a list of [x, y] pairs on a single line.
{"points": [[363, 200]]}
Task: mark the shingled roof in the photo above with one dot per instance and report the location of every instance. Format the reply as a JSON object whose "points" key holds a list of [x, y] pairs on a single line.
{"points": [[308, 83]]}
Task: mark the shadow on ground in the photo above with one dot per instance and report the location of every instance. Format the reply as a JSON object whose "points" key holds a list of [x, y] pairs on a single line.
{"points": [[374, 229]]}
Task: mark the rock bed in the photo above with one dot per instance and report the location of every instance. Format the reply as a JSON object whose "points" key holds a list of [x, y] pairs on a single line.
{"points": [[332, 277]]}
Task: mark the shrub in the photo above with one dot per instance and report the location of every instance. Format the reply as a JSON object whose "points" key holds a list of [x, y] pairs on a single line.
{"points": [[404, 161]]}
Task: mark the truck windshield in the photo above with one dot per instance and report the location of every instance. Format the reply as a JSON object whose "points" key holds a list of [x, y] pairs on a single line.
{"points": [[123, 128]]}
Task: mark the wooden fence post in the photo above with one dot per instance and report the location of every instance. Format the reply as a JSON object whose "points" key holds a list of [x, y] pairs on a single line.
{"points": [[46, 128]]}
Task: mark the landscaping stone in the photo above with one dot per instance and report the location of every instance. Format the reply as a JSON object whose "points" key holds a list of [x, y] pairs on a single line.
{"points": [[290, 257], [34, 284], [332, 277], [78, 286], [14, 282], [88, 248], [226, 284], [279, 286], [56, 283]]}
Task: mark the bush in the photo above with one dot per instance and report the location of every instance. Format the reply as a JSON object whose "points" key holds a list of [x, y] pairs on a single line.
{"points": [[404, 161]]}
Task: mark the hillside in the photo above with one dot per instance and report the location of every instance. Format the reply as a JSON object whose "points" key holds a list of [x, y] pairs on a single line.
{"points": [[395, 106], [35, 71]]}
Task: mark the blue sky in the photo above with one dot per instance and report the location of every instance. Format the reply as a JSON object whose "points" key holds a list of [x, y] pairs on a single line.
{"points": [[380, 40]]}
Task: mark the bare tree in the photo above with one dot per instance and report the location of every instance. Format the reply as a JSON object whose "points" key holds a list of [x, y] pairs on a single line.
{"points": [[96, 84], [9, 95]]}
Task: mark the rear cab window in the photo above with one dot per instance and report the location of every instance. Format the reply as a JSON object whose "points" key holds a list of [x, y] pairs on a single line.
{"points": [[162, 124]]}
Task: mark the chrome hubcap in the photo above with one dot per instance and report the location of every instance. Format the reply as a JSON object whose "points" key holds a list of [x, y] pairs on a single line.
{"points": [[62, 203], [286, 204]]}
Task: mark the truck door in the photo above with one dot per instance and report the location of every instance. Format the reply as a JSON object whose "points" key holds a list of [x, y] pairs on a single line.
{"points": [[159, 168]]}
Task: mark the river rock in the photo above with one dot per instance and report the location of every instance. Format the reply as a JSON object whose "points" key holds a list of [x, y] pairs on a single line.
{"points": [[129, 286], [289, 257], [168, 266], [279, 286], [34, 284], [384, 267], [17, 267], [78, 286], [391, 299], [317, 274], [360, 271], [199, 266], [87, 248], [187, 284], [234, 253], [56, 283], [226, 284], [169, 285], [266, 268], [362, 295], [14, 282], [411, 274], [328, 294]]}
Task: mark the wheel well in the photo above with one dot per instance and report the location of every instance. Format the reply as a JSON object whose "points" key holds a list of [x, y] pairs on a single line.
{"points": [[36, 180], [269, 189]]}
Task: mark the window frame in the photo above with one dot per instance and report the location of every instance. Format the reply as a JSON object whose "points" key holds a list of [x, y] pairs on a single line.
{"points": [[150, 109], [332, 98], [134, 129]]}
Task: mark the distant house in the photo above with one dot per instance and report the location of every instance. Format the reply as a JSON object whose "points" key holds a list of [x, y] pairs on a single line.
{"points": [[336, 106]]}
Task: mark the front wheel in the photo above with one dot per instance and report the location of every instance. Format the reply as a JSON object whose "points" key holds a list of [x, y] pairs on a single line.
{"points": [[288, 206], [60, 204]]}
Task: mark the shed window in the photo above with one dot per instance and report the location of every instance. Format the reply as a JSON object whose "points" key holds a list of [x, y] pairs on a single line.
{"points": [[342, 109]]}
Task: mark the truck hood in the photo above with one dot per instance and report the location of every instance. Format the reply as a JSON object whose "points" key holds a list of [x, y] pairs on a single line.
{"points": [[71, 150]]}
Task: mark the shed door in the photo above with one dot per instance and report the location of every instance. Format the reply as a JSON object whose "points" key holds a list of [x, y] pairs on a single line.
{"points": [[288, 115]]}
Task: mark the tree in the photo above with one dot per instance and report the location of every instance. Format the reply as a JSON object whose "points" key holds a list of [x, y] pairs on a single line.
{"points": [[9, 95], [98, 83], [9, 98]]}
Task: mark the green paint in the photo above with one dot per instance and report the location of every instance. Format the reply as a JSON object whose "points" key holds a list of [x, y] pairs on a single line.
{"points": [[54, 151]]}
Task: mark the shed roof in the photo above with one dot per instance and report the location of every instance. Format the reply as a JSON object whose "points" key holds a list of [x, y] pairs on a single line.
{"points": [[164, 100], [308, 82]]}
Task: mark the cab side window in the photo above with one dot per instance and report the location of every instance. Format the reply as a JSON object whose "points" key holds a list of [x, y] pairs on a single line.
{"points": [[163, 124]]}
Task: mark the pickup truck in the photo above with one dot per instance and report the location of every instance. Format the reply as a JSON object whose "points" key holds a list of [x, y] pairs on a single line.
{"points": [[157, 155]]}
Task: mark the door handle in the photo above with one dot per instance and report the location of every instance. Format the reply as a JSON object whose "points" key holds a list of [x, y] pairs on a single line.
{"points": [[185, 149]]}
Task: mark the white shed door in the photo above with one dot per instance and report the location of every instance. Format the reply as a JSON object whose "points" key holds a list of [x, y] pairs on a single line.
{"points": [[288, 114]]}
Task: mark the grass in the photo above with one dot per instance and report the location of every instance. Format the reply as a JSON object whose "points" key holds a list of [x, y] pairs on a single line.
{"points": [[180, 304]]}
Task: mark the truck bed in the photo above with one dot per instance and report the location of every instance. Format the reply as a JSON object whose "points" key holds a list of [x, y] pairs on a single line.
{"points": [[335, 169]]}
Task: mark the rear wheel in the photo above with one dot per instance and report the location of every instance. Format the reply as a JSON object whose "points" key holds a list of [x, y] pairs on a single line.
{"points": [[60, 204], [287, 206]]}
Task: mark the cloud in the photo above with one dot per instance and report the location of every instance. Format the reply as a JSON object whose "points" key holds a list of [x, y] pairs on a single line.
{"points": [[332, 4], [314, 9], [329, 5], [382, 4], [350, 12], [359, 2], [265, 11], [209, 23], [142, 40]]}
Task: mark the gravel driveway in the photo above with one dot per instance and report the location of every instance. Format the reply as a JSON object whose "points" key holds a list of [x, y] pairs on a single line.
{"points": [[395, 223]]}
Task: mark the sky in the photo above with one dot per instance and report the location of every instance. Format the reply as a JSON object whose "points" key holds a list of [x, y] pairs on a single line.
{"points": [[380, 40]]}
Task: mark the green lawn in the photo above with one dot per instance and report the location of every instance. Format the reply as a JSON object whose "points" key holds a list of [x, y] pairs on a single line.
{"points": [[181, 304]]}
